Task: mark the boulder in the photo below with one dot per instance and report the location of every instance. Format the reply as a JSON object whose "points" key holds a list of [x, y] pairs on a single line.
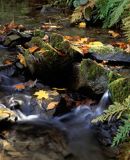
{"points": [[92, 75], [120, 89], [52, 62]]}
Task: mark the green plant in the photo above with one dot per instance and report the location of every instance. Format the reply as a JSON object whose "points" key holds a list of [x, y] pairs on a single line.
{"points": [[113, 12], [118, 110]]}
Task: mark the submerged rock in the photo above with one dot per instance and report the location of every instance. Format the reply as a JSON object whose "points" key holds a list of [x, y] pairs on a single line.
{"points": [[90, 74], [39, 140], [120, 89]]}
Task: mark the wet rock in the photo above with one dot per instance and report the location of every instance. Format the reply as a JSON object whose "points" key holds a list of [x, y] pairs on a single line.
{"points": [[53, 61], [120, 89], [119, 58], [6, 114], [90, 74], [39, 140], [28, 107], [15, 37]]}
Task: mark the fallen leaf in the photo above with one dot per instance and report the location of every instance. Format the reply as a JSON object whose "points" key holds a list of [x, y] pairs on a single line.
{"points": [[41, 94], [22, 59], [7, 61], [19, 86], [33, 49], [96, 43], [114, 34], [82, 25], [128, 48], [52, 105], [121, 45]]}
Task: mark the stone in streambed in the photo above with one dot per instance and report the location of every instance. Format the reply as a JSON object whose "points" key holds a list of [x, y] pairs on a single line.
{"points": [[120, 89], [90, 74]]}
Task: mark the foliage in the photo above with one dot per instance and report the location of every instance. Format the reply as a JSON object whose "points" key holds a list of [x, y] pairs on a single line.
{"points": [[118, 110], [83, 10], [114, 11]]}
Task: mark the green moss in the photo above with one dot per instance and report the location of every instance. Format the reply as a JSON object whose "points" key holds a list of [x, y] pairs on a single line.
{"points": [[120, 89], [56, 40], [113, 76], [93, 69]]}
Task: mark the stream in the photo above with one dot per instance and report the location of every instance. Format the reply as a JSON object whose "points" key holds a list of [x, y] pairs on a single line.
{"points": [[35, 134]]}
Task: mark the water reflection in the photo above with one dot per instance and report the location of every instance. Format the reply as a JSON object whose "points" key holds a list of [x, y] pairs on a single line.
{"points": [[18, 11]]}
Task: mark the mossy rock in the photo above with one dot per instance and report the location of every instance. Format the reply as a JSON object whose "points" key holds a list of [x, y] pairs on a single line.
{"points": [[55, 63], [92, 75], [120, 89]]}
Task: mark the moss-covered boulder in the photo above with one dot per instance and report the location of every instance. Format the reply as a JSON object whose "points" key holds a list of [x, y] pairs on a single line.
{"points": [[92, 75], [52, 62], [120, 89]]}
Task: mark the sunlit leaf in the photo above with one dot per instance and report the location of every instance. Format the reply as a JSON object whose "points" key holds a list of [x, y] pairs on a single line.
{"points": [[114, 34], [82, 25], [96, 43], [52, 105], [22, 59], [41, 94]]}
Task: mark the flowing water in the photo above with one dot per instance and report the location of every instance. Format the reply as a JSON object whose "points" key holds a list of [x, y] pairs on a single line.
{"points": [[82, 141]]}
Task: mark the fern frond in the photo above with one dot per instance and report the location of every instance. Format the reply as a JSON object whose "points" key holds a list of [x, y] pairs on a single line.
{"points": [[126, 23], [123, 132], [116, 110]]}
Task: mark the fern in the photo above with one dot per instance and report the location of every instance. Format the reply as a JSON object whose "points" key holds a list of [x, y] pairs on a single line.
{"points": [[122, 133], [114, 110], [118, 110], [126, 22]]}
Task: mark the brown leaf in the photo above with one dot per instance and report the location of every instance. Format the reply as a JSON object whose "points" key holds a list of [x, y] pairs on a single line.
{"points": [[7, 62], [52, 105], [22, 59]]}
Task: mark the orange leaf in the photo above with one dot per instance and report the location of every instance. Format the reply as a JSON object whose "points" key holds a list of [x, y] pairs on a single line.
{"points": [[52, 105], [22, 59], [33, 49], [7, 61], [19, 86], [120, 45]]}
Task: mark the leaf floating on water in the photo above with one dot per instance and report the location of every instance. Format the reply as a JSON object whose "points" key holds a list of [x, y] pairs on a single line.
{"points": [[22, 59], [19, 86], [41, 94], [52, 105]]}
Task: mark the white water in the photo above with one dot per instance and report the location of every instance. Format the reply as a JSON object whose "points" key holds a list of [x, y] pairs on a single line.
{"points": [[77, 124]]}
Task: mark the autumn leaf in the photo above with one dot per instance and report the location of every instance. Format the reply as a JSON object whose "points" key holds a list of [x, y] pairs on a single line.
{"points": [[33, 49], [7, 62], [19, 86], [82, 25], [52, 105], [41, 94], [22, 59], [114, 34], [96, 43]]}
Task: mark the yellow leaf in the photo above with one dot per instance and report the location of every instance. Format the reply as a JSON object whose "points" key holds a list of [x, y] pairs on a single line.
{"points": [[22, 59], [52, 105], [41, 94], [96, 43], [82, 25], [114, 34]]}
